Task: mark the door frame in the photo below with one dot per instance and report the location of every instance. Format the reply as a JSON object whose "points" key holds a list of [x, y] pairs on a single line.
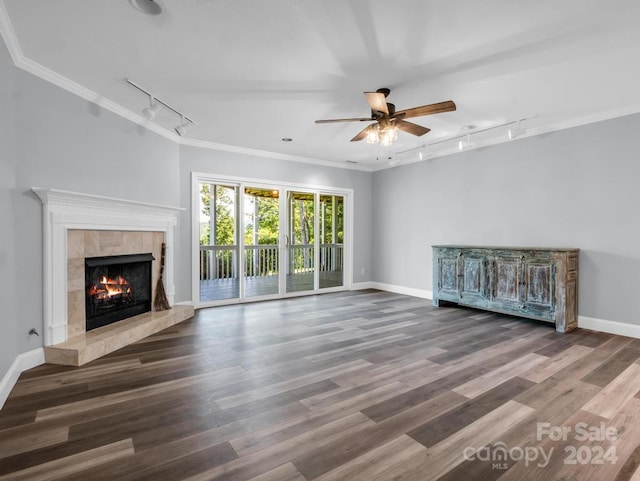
{"points": [[201, 177]]}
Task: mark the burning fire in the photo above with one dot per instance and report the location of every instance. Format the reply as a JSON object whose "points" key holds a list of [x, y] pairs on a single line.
{"points": [[107, 288]]}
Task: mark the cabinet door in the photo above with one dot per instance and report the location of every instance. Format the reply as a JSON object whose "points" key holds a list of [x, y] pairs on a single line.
{"points": [[538, 287], [448, 277], [473, 283], [506, 278]]}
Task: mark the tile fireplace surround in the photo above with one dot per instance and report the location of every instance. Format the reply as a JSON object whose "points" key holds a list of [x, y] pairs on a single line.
{"points": [[76, 226]]}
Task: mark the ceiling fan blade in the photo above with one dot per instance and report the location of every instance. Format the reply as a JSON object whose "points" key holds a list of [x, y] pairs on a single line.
{"points": [[362, 134], [411, 128], [361, 119], [430, 109], [377, 101]]}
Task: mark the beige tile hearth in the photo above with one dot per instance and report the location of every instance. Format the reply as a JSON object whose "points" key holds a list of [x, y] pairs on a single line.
{"points": [[86, 347]]}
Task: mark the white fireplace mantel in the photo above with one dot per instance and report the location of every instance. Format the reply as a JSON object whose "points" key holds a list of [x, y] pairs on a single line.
{"points": [[64, 210]]}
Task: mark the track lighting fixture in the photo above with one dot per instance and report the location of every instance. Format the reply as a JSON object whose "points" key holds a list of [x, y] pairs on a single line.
{"points": [[513, 133], [151, 111], [154, 106], [463, 139]]}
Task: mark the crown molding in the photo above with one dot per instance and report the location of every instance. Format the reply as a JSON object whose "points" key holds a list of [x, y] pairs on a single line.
{"points": [[204, 144]]}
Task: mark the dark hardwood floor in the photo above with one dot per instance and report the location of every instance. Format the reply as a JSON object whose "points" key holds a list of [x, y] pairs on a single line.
{"points": [[361, 385]]}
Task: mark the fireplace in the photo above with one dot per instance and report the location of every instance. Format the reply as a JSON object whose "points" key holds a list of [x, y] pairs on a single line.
{"points": [[116, 288]]}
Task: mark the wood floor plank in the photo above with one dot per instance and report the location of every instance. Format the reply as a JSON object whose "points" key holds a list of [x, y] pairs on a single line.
{"points": [[607, 371], [373, 463], [493, 378], [556, 363], [608, 402], [286, 472], [12, 444], [72, 464]]}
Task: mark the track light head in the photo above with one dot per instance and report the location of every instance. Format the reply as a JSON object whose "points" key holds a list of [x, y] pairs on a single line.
{"points": [[182, 128], [513, 133], [153, 108], [422, 152]]}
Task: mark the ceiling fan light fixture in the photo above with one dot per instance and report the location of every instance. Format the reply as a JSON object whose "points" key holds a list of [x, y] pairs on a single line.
{"points": [[373, 136], [388, 134]]}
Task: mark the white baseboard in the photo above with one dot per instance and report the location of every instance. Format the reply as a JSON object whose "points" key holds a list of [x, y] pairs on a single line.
{"points": [[183, 303], [359, 286], [611, 327], [21, 363], [407, 291]]}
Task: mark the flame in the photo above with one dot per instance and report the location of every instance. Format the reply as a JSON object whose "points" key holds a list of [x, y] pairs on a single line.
{"points": [[106, 288]]}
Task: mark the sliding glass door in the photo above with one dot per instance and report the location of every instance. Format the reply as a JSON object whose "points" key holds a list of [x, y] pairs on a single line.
{"points": [[218, 240], [301, 249], [331, 262], [261, 241]]}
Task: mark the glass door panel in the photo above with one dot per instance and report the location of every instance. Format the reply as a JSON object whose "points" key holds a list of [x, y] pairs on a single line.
{"points": [[331, 262], [261, 241], [218, 242], [300, 242]]}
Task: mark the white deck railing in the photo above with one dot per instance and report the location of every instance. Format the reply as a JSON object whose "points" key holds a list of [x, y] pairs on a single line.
{"points": [[220, 262]]}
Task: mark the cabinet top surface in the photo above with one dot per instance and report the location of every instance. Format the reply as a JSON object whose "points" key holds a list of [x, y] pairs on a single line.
{"points": [[507, 248]]}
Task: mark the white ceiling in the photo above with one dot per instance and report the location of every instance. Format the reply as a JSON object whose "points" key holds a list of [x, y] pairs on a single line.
{"points": [[251, 72]]}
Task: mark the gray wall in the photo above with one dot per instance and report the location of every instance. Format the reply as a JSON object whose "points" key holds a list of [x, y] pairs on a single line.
{"points": [[193, 159], [572, 188], [52, 138], [8, 314]]}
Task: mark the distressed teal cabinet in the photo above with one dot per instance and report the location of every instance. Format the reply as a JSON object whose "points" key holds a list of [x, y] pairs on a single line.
{"points": [[537, 283]]}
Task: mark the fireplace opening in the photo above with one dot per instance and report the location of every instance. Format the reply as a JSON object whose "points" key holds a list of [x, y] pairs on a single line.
{"points": [[116, 287]]}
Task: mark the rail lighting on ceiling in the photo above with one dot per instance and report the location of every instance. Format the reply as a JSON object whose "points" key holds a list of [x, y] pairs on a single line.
{"points": [[154, 106], [148, 7], [464, 138]]}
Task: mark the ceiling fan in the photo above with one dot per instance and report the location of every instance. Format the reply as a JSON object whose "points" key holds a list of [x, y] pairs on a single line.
{"points": [[387, 121]]}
